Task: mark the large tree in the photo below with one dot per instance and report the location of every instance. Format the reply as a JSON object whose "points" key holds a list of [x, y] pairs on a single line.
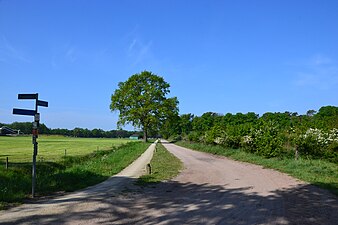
{"points": [[142, 101]]}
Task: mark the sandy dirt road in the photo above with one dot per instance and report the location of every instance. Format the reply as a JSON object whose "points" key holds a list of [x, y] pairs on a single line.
{"points": [[210, 190]]}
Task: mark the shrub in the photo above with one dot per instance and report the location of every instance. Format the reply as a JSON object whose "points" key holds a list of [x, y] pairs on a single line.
{"points": [[264, 140], [175, 138], [247, 143], [213, 135], [194, 136], [317, 143]]}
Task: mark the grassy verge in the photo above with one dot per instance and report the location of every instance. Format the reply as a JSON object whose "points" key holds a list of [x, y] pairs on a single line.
{"points": [[164, 166], [318, 172], [69, 174]]}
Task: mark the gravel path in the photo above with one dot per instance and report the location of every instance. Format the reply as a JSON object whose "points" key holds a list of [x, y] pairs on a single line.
{"points": [[210, 190], [224, 191]]}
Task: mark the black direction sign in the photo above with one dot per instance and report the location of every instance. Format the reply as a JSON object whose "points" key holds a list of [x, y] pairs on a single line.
{"points": [[27, 96], [25, 112], [42, 103], [36, 115]]}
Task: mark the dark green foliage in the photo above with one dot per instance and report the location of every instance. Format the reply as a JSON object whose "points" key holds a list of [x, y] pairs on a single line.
{"points": [[26, 128], [327, 117], [332, 152], [317, 143], [141, 101], [194, 136], [267, 140], [308, 146], [271, 135]]}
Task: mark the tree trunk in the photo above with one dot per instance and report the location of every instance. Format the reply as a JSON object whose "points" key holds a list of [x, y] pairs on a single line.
{"points": [[145, 133]]}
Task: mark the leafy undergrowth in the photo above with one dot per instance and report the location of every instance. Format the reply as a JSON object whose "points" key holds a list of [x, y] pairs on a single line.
{"points": [[69, 174], [318, 172], [164, 166]]}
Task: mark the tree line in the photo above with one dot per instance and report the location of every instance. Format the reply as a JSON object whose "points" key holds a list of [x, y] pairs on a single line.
{"points": [[26, 128], [314, 134], [142, 101]]}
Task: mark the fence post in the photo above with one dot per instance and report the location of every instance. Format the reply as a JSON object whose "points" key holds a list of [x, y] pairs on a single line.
{"points": [[148, 168], [65, 152], [6, 163]]}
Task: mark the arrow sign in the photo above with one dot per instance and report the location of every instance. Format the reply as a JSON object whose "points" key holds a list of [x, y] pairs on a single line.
{"points": [[42, 103], [27, 96], [36, 115], [25, 112]]}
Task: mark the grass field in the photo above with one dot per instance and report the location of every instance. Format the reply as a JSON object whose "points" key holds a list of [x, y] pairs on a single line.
{"points": [[164, 166], [52, 148], [315, 171], [83, 166]]}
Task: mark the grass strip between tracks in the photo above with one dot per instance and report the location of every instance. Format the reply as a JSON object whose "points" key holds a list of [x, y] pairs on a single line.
{"points": [[315, 171], [164, 166], [69, 174]]}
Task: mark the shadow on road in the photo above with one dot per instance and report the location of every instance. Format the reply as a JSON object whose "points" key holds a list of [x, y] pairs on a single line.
{"points": [[186, 203]]}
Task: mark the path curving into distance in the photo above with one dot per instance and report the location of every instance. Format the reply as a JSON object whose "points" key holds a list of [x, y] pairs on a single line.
{"points": [[223, 191], [210, 190]]}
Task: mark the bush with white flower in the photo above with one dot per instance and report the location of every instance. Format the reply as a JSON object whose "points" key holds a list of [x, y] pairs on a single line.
{"points": [[318, 143], [247, 143], [264, 140]]}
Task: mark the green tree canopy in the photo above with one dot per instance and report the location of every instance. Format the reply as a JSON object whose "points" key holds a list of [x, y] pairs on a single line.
{"points": [[141, 101]]}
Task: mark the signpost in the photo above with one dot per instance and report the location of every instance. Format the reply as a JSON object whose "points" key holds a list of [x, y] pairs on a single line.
{"points": [[28, 112]]}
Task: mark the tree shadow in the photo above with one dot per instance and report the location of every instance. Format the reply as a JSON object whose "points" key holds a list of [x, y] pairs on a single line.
{"points": [[182, 203]]}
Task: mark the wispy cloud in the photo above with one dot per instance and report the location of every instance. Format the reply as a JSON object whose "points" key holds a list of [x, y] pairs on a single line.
{"points": [[62, 54], [319, 72], [319, 60], [71, 54], [132, 45], [138, 50], [9, 53]]}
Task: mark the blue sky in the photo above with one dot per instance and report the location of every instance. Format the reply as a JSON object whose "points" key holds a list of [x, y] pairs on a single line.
{"points": [[220, 56]]}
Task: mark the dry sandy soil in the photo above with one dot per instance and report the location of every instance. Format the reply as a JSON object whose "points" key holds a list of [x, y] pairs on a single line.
{"points": [[210, 190]]}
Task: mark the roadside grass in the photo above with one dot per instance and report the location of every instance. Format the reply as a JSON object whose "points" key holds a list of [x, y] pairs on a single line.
{"points": [[68, 174], [164, 166], [315, 171], [52, 148]]}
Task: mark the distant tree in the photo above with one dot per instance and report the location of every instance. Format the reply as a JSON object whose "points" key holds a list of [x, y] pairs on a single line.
{"points": [[206, 121], [141, 101], [186, 123], [327, 117], [311, 112], [171, 127], [77, 132], [43, 129], [97, 133], [328, 111], [24, 127]]}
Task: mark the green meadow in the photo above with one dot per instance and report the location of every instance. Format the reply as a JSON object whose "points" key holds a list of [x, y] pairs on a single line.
{"points": [[88, 162], [52, 148]]}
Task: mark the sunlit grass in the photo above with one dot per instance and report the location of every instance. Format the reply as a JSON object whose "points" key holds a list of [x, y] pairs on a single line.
{"points": [[68, 173], [52, 148], [164, 166]]}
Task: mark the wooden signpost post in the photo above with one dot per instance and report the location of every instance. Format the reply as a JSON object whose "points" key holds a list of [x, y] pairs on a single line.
{"points": [[28, 112]]}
